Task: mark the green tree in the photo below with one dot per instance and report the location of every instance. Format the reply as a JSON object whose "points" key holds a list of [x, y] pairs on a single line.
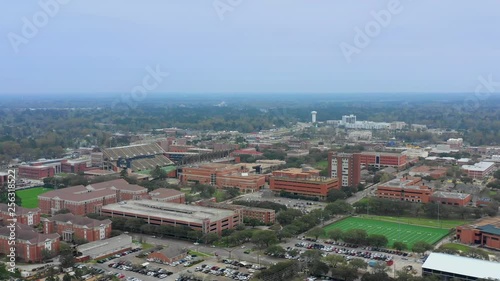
{"points": [[355, 236], [336, 234], [316, 232], [421, 247], [400, 246], [275, 251], [264, 238], [158, 173], [338, 207], [377, 240], [335, 194], [358, 264]]}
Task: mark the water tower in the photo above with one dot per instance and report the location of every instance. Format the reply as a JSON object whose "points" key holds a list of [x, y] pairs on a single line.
{"points": [[313, 114]]}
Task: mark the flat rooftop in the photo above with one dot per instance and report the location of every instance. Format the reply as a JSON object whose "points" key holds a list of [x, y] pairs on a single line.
{"points": [[453, 195], [106, 246], [404, 184], [167, 210], [462, 265], [479, 167]]}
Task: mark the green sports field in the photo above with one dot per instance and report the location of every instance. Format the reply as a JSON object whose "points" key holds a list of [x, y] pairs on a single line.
{"points": [[29, 197], [405, 233]]}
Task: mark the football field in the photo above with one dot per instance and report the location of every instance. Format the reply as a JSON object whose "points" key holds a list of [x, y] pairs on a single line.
{"points": [[394, 231]]}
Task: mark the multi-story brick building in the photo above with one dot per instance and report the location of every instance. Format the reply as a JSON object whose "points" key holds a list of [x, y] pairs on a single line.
{"points": [[168, 195], [479, 170], [82, 200], [4, 178], [383, 159], [346, 167], [306, 182], [485, 233], [206, 220], [71, 227], [29, 243], [408, 189], [23, 215], [75, 166], [267, 216], [451, 198], [223, 176], [35, 172]]}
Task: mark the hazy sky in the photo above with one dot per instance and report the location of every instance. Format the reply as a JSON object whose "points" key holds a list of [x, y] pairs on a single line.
{"points": [[252, 46]]}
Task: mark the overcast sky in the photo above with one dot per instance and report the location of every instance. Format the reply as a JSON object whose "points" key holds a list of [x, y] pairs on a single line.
{"points": [[271, 46]]}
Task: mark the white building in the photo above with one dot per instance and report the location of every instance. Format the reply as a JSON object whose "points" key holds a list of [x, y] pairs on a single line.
{"points": [[479, 170], [448, 267]]}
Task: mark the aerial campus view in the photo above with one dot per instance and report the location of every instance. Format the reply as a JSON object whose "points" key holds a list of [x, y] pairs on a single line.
{"points": [[249, 140]]}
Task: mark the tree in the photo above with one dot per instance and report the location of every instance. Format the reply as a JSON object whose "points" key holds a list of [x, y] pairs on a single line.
{"points": [[211, 238], [334, 195], [334, 260], [66, 277], [318, 268], [377, 240], [288, 216], [496, 174], [335, 234], [66, 255], [316, 232], [400, 246], [158, 173], [421, 247], [355, 236], [264, 238], [346, 272], [338, 207], [275, 251], [47, 255], [358, 264]]}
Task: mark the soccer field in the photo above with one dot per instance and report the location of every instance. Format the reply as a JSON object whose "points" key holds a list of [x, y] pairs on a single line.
{"points": [[29, 197], [405, 233]]}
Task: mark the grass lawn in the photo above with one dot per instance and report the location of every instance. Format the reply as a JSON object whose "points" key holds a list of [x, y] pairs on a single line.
{"points": [[447, 224], [199, 254], [29, 197], [321, 165], [408, 234], [146, 246], [455, 246], [492, 192]]}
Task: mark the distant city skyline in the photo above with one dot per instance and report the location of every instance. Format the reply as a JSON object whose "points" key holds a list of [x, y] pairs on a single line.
{"points": [[258, 46]]}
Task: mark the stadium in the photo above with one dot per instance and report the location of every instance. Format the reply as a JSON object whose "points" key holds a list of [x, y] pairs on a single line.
{"points": [[138, 157]]}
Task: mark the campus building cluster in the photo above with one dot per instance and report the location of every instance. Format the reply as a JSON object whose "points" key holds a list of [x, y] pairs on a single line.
{"points": [[479, 170], [346, 167], [48, 168], [82, 200], [224, 176], [305, 182], [206, 220], [413, 189], [23, 215]]}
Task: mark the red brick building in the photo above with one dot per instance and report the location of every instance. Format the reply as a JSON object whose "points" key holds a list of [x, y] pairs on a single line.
{"points": [[383, 159], [71, 227], [451, 198], [29, 243], [224, 176], [306, 182], [168, 255], [35, 172], [479, 170], [407, 189], [168, 195], [75, 166], [23, 215], [4, 178], [346, 167], [82, 200], [485, 233]]}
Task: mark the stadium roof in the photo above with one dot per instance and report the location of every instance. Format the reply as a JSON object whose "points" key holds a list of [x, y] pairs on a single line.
{"points": [[132, 151], [462, 265]]}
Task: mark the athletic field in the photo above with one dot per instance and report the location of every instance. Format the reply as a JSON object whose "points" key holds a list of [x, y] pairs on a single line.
{"points": [[405, 233], [29, 197]]}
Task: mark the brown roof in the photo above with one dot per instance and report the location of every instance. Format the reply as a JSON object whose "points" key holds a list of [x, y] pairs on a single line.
{"points": [[162, 193], [172, 251], [97, 190], [4, 208], [79, 220], [24, 232], [120, 184]]}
